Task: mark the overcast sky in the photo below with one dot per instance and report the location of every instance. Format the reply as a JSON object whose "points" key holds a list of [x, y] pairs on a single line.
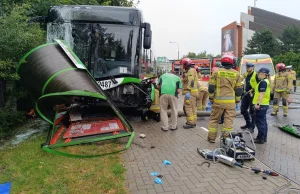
{"points": [[196, 24]]}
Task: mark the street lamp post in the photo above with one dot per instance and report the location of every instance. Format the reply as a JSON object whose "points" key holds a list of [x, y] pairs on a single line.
{"points": [[177, 46]]}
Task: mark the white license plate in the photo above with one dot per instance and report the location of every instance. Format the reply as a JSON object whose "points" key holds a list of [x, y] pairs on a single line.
{"points": [[105, 84]]}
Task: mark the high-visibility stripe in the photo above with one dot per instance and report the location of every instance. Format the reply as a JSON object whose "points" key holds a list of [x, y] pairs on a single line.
{"points": [[226, 129], [224, 97], [190, 118], [224, 101], [282, 90], [212, 129]]}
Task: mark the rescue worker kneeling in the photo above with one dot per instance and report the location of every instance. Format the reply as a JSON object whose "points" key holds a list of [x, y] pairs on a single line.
{"points": [[203, 97], [190, 90], [155, 107], [225, 90], [281, 88]]}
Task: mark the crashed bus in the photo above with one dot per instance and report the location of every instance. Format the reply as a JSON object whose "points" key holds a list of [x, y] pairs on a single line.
{"points": [[113, 43]]}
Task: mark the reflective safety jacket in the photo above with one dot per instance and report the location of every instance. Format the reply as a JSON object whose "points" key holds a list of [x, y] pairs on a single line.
{"points": [[266, 99], [225, 88], [253, 81], [189, 82], [283, 82]]}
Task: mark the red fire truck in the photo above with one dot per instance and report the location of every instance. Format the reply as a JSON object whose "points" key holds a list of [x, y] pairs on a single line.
{"points": [[204, 64]]}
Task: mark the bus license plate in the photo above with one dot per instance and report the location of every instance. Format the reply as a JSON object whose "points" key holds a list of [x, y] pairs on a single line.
{"points": [[105, 84]]}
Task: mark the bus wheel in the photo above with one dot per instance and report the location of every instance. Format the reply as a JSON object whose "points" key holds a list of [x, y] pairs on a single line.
{"points": [[145, 117]]}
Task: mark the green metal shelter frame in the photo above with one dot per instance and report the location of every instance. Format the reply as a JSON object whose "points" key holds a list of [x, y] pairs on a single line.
{"points": [[54, 74]]}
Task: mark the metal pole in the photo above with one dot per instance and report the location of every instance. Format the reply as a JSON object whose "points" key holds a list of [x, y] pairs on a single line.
{"points": [[178, 51], [177, 47], [255, 3]]}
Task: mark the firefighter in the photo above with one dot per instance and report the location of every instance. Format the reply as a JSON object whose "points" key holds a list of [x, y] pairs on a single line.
{"points": [[281, 88], [203, 97], [293, 74], [155, 107], [190, 90], [261, 101], [199, 73], [225, 90], [251, 80]]}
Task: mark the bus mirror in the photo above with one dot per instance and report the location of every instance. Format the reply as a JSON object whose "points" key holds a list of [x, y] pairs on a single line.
{"points": [[147, 41], [147, 28]]}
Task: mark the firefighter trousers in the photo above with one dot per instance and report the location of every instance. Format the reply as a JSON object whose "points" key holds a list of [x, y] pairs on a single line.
{"points": [[277, 97], [191, 109], [202, 100], [215, 116]]}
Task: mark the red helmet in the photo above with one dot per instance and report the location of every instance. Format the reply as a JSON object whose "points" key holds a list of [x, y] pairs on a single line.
{"points": [[185, 62], [280, 66], [228, 59]]}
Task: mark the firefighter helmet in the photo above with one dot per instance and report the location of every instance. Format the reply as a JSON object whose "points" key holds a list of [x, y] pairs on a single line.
{"points": [[228, 60], [185, 62], [280, 66]]}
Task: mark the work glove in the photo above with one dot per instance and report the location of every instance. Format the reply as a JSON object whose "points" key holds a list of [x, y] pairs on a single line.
{"points": [[188, 96]]}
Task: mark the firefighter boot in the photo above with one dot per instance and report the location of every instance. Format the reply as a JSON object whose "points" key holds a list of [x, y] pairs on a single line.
{"points": [[275, 107], [285, 110], [212, 137], [189, 126]]}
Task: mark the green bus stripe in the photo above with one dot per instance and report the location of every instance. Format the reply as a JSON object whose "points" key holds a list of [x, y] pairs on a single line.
{"points": [[30, 52], [54, 75], [131, 80]]}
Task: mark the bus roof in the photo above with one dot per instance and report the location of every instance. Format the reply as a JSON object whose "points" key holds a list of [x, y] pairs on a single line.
{"points": [[95, 7], [93, 13], [256, 56]]}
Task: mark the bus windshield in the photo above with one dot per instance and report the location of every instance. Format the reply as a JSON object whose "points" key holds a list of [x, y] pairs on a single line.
{"points": [[258, 66], [106, 49]]}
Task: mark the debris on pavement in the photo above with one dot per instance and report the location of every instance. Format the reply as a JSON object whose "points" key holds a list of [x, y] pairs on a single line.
{"points": [[142, 135], [158, 181], [167, 162]]}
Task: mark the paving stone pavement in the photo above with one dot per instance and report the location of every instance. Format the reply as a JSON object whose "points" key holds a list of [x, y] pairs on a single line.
{"points": [[186, 175]]}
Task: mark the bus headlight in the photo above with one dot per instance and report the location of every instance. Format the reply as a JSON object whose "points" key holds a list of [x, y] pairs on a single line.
{"points": [[128, 89]]}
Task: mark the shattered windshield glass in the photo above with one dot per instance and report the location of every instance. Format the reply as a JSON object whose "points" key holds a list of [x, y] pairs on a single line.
{"points": [[106, 49]]}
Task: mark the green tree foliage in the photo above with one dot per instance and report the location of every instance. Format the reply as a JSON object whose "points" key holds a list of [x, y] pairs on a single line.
{"points": [[290, 39], [203, 54], [17, 38], [40, 7], [263, 43]]}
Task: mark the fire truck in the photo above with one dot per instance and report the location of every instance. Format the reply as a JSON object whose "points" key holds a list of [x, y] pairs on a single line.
{"points": [[205, 66], [177, 68]]}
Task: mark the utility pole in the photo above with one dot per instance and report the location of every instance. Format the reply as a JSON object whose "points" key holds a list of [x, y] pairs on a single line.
{"points": [[255, 3], [177, 46]]}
